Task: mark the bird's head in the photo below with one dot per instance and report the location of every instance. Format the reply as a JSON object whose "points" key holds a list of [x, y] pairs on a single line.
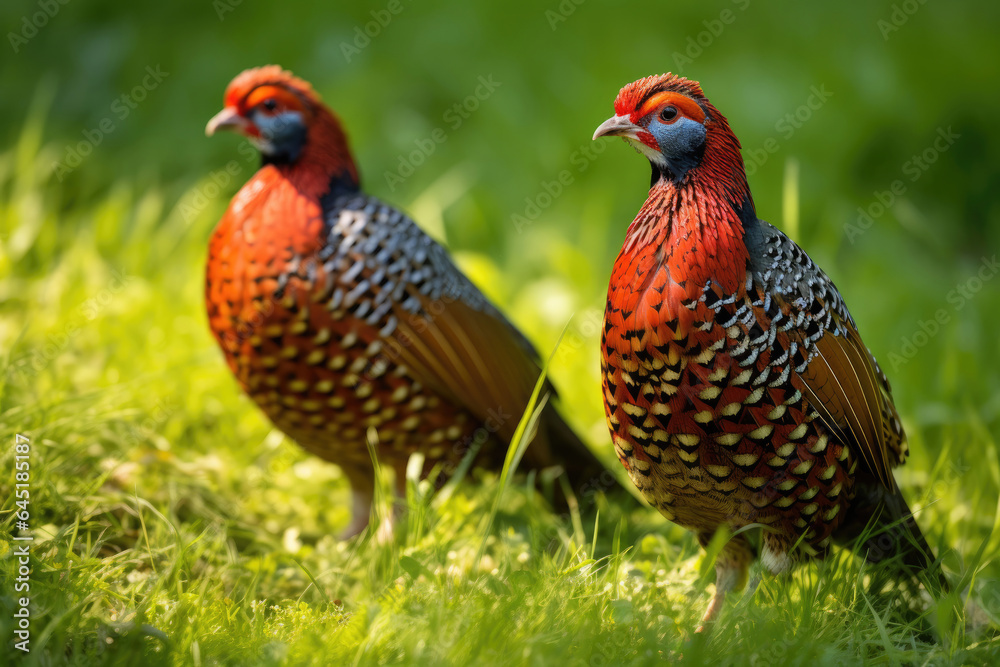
{"points": [[275, 110], [668, 119]]}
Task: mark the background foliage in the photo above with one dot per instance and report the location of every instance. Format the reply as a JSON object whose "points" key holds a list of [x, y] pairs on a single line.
{"points": [[174, 524]]}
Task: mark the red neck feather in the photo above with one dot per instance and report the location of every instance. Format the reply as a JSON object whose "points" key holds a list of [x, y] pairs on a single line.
{"points": [[325, 156], [696, 223], [285, 199]]}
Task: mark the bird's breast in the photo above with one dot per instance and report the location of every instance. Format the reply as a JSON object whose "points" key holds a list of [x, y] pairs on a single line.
{"points": [[705, 416], [301, 303]]}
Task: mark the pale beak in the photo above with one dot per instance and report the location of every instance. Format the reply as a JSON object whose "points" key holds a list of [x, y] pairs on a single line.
{"points": [[617, 126], [227, 119]]}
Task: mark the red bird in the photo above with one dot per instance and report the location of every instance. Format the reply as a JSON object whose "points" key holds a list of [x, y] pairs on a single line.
{"points": [[736, 386], [338, 314]]}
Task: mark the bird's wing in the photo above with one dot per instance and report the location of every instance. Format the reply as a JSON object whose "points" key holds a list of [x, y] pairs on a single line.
{"points": [[449, 336], [838, 374], [842, 382]]}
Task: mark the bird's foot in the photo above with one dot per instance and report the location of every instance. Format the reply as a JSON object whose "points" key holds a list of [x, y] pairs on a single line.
{"points": [[361, 511], [714, 607]]}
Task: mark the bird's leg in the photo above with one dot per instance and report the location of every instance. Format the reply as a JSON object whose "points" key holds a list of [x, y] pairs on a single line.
{"points": [[774, 557], [397, 511], [774, 553], [362, 494], [751, 588], [731, 568]]}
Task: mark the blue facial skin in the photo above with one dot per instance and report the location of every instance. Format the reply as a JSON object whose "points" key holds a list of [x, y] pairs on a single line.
{"points": [[682, 144], [281, 137]]}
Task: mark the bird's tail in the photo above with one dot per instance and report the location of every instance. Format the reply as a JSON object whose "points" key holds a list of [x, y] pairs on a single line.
{"points": [[888, 532], [556, 444]]}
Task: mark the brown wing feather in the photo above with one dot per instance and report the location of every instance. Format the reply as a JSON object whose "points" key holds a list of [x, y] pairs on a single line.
{"points": [[841, 380], [842, 383], [471, 356], [475, 356]]}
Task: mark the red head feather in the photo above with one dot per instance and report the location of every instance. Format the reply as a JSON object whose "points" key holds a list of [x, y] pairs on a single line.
{"points": [[722, 164], [325, 153], [631, 97], [247, 81]]}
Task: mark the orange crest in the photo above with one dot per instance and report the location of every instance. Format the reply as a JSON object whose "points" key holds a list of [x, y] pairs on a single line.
{"points": [[280, 83], [639, 95]]}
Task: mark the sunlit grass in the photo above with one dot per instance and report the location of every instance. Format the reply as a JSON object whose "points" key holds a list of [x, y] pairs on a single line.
{"points": [[174, 526]]}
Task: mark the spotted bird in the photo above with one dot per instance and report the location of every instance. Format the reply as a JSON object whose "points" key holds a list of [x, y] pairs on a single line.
{"points": [[338, 315], [736, 386]]}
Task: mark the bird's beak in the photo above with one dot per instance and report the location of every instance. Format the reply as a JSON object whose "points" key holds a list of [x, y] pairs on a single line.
{"points": [[617, 126], [227, 119]]}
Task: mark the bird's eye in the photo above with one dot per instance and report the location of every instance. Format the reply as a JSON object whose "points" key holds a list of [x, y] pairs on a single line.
{"points": [[270, 104], [668, 114]]}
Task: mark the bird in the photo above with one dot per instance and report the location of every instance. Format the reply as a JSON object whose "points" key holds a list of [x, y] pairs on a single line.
{"points": [[338, 315], [737, 389]]}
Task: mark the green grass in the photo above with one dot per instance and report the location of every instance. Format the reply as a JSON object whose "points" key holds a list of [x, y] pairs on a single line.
{"points": [[174, 525]]}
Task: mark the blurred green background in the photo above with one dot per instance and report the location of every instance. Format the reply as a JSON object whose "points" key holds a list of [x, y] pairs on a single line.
{"points": [[108, 360], [894, 79]]}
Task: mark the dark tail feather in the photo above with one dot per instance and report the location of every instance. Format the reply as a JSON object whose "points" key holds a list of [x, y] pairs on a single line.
{"points": [[890, 533], [556, 444]]}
